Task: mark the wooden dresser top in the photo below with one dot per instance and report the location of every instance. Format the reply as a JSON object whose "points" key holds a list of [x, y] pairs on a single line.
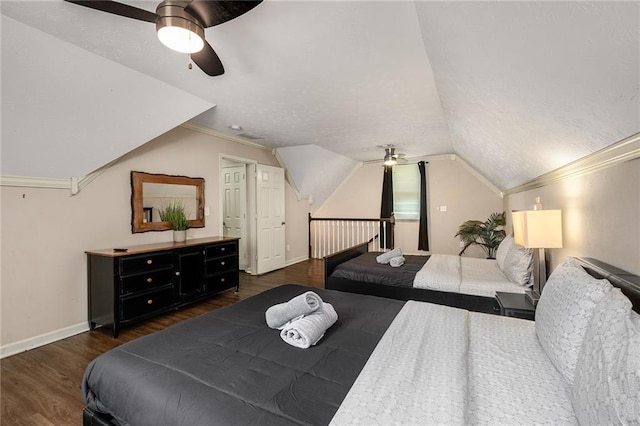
{"points": [[146, 248]]}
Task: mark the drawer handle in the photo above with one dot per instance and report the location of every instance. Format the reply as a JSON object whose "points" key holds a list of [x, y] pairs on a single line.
{"points": [[221, 280], [149, 261], [177, 273], [221, 263], [150, 302], [222, 249], [149, 280]]}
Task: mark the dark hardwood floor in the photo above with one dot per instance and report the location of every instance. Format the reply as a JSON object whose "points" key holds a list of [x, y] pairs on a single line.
{"points": [[42, 387]]}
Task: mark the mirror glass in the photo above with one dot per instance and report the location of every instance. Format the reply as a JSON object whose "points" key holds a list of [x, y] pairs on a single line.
{"points": [[156, 196], [152, 192]]}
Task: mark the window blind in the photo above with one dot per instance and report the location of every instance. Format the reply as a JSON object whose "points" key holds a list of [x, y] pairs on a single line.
{"points": [[406, 191]]}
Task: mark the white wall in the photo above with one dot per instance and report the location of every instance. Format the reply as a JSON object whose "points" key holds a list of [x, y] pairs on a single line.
{"points": [[600, 214], [46, 231], [450, 184]]}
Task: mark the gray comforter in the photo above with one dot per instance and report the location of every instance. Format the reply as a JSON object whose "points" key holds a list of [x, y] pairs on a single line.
{"points": [[365, 268], [228, 367]]}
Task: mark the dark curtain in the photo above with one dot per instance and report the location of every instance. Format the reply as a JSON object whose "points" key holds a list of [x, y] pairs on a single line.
{"points": [[387, 208], [423, 234]]}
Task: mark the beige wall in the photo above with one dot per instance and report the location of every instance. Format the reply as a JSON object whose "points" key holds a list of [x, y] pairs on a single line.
{"points": [[600, 213], [451, 184], [46, 231]]}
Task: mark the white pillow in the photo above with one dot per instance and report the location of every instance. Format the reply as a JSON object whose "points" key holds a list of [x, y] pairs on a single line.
{"points": [[563, 313], [518, 265], [606, 388], [503, 248]]}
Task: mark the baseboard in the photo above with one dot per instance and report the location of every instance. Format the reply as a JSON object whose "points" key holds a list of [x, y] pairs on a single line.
{"points": [[296, 260], [43, 339]]}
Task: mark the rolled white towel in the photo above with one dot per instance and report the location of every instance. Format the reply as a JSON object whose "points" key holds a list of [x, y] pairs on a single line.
{"points": [[278, 315], [308, 330], [397, 261], [386, 257]]}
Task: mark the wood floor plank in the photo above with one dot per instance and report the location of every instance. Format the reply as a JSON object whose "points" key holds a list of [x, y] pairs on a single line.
{"points": [[43, 386]]}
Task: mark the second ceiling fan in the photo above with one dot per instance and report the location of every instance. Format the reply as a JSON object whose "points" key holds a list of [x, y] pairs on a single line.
{"points": [[180, 24]]}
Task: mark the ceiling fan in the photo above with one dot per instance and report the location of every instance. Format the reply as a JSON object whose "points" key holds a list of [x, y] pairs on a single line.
{"points": [[180, 24], [390, 156]]}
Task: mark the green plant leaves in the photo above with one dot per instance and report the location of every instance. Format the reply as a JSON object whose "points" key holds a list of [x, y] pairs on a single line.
{"points": [[487, 234], [175, 215]]}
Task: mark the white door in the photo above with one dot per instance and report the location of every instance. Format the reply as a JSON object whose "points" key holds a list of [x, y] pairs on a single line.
{"points": [[234, 209], [270, 218]]}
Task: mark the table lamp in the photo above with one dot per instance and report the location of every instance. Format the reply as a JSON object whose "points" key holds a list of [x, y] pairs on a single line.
{"points": [[538, 229]]}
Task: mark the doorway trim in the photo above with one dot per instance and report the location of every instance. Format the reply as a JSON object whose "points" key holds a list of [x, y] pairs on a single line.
{"points": [[251, 204]]}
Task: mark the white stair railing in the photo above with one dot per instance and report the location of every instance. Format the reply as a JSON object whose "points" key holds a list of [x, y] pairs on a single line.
{"points": [[331, 235]]}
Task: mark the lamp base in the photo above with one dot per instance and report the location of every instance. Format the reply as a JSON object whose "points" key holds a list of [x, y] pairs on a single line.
{"points": [[532, 296]]}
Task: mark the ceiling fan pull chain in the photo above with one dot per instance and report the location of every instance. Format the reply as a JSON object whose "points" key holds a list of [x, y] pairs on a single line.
{"points": [[190, 66]]}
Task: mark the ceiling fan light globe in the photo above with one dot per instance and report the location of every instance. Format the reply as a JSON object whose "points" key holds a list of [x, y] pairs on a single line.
{"points": [[180, 33], [389, 160]]}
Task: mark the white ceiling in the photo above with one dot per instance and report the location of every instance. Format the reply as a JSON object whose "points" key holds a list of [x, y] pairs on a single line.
{"points": [[515, 88]]}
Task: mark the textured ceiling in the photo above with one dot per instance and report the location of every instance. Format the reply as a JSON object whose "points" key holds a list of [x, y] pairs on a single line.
{"points": [[530, 86], [515, 88]]}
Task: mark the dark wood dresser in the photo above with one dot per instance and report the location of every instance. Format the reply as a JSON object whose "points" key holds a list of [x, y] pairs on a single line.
{"points": [[147, 280]]}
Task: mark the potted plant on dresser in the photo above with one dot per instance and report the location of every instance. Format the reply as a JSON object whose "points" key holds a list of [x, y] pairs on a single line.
{"points": [[174, 214]]}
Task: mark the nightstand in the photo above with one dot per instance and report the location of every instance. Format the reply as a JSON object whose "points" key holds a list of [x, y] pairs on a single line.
{"points": [[515, 305]]}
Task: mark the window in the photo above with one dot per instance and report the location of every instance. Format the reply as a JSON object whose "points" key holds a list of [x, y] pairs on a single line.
{"points": [[406, 191]]}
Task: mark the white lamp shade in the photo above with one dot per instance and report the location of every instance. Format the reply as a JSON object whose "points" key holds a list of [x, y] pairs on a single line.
{"points": [[538, 228]]}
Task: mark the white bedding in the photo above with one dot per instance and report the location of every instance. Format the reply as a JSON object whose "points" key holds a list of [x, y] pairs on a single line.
{"points": [[442, 365], [479, 277], [417, 374], [440, 272], [483, 277], [512, 377]]}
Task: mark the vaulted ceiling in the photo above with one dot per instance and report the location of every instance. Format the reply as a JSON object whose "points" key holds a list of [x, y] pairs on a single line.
{"points": [[515, 88]]}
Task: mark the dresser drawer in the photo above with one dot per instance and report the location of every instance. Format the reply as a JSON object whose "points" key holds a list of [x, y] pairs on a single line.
{"points": [[221, 250], [221, 264], [138, 306], [215, 283], [146, 281], [145, 262], [126, 286]]}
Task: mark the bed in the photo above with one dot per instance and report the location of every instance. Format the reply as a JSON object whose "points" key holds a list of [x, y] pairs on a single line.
{"points": [[384, 360], [356, 270]]}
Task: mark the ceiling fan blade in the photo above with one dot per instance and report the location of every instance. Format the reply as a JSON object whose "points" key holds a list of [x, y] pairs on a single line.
{"points": [[216, 12], [208, 60], [118, 9]]}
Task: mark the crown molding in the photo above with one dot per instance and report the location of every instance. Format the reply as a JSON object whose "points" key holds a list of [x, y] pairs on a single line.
{"points": [[35, 182], [76, 184], [222, 135], [624, 150], [450, 157]]}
